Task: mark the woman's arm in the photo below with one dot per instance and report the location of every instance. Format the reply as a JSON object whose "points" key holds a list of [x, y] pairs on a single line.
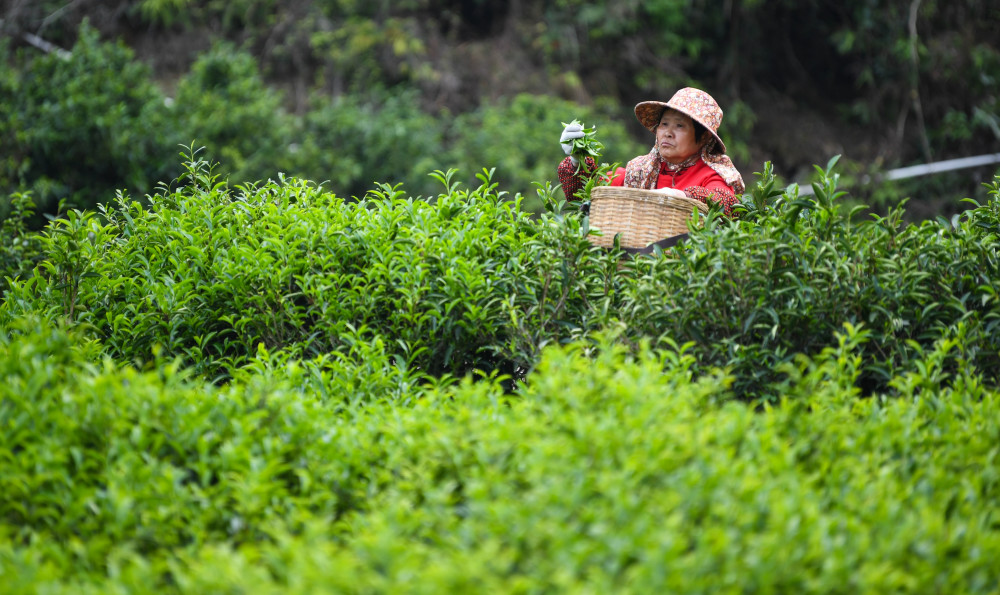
{"points": [[717, 193], [573, 178]]}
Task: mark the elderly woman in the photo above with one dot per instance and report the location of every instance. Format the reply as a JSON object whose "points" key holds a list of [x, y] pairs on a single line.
{"points": [[688, 160]]}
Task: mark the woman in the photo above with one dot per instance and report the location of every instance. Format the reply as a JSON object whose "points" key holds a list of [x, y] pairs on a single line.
{"points": [[688, 160]]}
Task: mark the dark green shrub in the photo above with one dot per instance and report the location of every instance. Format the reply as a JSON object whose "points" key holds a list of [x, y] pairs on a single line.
{"points": [[353, 142], [385, 137], [225, 106], [79, 129]]}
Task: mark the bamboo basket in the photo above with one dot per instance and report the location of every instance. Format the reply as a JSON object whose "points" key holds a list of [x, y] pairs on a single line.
{"points": [[639, 217]]}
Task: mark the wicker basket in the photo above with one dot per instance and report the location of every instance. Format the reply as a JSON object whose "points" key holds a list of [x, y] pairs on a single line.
{"points": [[639, 217]]}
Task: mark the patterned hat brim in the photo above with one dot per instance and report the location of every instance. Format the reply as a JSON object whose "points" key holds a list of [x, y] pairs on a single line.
{"points": [[650, 112]]}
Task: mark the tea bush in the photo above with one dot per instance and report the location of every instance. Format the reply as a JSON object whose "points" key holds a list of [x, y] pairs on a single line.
{"points": [[468, 281], [208, 272], [608, 471], [266, 388], [781, 280], [148, 462], [20, 248]]}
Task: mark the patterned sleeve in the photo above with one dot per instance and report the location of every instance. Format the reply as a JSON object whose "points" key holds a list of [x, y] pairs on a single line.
{"points": [[725, 198], [571, 179]]}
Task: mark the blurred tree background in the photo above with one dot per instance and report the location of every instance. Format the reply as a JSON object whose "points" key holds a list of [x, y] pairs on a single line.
{"points": [[97, 96]]}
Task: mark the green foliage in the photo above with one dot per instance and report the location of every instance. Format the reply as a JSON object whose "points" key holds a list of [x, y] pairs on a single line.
{"points": [[365, 45], [917, 88], [229, 14], [666, 21], [141, 464], [755, 293], [610, 471], [20, 248], [223, 104], [238, 118], [80, 128], [947, 72], [468, 281], [208, 272], [354, 142], [236, 386]]}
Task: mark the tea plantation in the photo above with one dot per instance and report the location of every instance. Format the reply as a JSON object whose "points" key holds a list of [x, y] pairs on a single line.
{"points": [[266, 388]]}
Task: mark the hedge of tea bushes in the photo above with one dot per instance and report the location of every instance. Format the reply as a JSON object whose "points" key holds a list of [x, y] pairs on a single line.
{"points": [[609, 470], [209, 272], [782, 279], [468, 281], [101, 462]]}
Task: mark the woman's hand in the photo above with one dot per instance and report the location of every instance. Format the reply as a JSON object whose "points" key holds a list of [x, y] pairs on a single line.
{"points": [[570, 132], [674, 192]]}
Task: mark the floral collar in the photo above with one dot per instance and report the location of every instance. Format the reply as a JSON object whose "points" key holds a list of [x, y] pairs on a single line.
{"points": [[676, 167]]}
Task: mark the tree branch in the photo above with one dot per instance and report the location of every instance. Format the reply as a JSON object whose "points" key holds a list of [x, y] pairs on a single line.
{"points": [[55, 15]]}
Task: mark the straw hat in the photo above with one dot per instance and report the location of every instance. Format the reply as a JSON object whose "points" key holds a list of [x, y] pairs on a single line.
{"points": [[697, 104]]}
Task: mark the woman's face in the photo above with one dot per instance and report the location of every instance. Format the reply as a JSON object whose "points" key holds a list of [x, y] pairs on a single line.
{"points": [[675, 137]]}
